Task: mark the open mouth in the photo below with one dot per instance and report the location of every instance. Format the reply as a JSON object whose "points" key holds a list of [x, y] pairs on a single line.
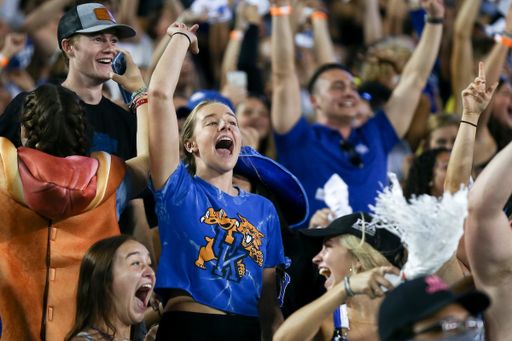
{"points": [[347, 104], [142, 294], [224, 146], [325, 272], [104, 61], [248, 238]]}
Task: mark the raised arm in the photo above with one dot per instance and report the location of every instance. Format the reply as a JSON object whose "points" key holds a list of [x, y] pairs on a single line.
{"points": [[372, 22], [41, 25], [462, 54], [164, 149], [488, 235], [403, 102], [286, 110], [475, 99], [128, 16], [323, 47], [137, 167], [230, 59], [14, 43], [305, 323]]}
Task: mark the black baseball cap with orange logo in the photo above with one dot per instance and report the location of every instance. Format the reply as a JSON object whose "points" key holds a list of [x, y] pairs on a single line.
{"points": [[90, 18]]}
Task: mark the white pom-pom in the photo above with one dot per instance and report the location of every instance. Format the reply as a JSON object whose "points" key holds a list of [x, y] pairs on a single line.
{"points": [[430, 228]]}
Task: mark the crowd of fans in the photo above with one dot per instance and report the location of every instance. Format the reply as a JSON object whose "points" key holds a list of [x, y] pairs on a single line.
{"points": [[224, 184]]}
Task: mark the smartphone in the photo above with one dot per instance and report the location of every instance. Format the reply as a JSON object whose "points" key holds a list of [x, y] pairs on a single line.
{"points": [[238, 78], [119, 67]]}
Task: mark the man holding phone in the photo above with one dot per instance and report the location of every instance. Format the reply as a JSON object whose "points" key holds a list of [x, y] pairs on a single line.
{"points": [[88, 36]]}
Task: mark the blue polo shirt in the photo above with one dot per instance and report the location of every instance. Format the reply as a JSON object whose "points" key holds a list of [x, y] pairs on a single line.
{"points": [[313, 154]]}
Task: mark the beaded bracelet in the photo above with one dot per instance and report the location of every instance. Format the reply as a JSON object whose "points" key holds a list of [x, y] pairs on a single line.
{"points": [[141, 90], [284, 10], [347, 287], [136, 99], [145, 93]]}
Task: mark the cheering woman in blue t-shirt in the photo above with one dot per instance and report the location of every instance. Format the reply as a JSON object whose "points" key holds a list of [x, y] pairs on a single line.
{"points": [[220, 244]]}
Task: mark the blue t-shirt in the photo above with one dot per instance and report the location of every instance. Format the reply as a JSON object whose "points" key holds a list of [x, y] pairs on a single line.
{"points": [[313, 154], [215, 246]]}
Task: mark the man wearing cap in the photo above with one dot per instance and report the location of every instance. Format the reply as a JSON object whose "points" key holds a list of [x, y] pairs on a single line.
{"points": [[426, 309], [88, 36], [332, 147]]}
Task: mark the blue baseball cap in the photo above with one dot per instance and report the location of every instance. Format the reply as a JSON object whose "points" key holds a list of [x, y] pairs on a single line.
{"points": [[201, 96], [285, 187]]}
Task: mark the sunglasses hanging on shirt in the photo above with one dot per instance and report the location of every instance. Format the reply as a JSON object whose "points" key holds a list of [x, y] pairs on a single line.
{"points": [[353, 157]]}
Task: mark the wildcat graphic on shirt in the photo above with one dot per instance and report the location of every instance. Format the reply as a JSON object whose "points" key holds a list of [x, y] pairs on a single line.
{"points": [[234, 241]]}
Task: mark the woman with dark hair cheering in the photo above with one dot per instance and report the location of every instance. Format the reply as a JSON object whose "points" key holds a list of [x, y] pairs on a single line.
{"points": [[115, 283]]}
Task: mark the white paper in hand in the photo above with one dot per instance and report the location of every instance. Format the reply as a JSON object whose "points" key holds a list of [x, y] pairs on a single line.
{"points": [[336, 196]]}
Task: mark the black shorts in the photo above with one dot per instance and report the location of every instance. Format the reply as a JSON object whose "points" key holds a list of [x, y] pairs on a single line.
{"points": [[186, 326]]}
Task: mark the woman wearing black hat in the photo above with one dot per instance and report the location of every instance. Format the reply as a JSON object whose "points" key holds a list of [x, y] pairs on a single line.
{"points": [[354, 259]]}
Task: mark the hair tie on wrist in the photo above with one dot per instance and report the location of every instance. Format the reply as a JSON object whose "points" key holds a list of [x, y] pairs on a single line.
{"points": [[319, 15], [189, 41], [347, 287], [283, 10], [474, 125]]}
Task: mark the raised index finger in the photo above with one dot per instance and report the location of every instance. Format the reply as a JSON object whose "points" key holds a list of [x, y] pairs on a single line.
{"points": [[481, 70]]}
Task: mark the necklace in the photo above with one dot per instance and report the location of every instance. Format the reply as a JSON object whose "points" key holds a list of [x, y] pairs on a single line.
{"points": [[102, 332]]}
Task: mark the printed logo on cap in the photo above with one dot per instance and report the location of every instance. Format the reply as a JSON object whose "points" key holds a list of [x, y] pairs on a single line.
{"points": [[435, 284]]}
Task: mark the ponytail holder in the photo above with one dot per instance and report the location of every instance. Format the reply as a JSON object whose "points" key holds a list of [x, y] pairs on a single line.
{"points": [[189, 41], [279, 11], [319, 15]]}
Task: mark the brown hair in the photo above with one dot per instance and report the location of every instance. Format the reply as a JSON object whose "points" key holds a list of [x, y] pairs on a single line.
{"points": [[438, 121], [55, 121], [93, 297], [188, 131], [73, 40]]}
